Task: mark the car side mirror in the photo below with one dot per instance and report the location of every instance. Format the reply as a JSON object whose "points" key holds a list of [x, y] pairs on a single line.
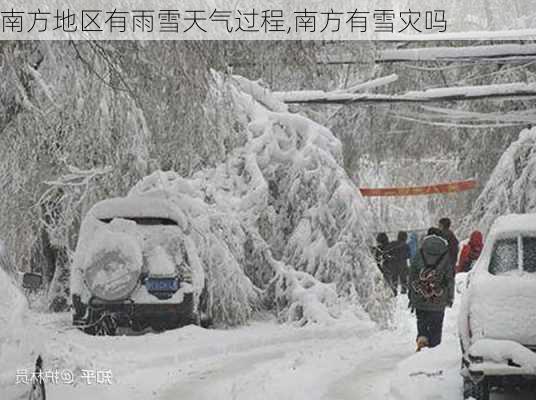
{"points": [[32, 281]]}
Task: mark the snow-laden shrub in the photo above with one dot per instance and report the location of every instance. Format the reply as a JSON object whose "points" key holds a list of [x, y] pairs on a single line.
{"points": [[511, 187], [279, 225]]}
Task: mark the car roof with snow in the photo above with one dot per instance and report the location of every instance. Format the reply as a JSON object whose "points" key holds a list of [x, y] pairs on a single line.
{"points": [[138, 206], [513, 225]]}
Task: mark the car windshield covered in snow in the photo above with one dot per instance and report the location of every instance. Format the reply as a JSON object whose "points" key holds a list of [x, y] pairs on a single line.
{"points": [[505, 257]]}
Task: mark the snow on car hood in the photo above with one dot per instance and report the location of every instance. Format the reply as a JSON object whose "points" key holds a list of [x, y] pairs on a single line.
{"points": [[502, 307]]}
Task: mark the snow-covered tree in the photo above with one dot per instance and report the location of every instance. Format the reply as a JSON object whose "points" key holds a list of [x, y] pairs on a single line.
{"points": [[279, 224], [511, 187]]}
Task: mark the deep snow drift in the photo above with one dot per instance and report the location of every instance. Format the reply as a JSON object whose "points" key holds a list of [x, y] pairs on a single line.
{"points": [[279, 225]]}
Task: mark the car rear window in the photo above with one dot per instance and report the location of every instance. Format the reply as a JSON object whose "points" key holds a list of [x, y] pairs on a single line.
{"points": [[529, 254], [504, 257], [144, 220]]}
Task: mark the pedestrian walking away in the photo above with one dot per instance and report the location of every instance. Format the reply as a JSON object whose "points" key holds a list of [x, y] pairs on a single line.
{"points": [[450, 237], [470, 252], [412, 243], [431, 288], [399, 265], [380, 251]]}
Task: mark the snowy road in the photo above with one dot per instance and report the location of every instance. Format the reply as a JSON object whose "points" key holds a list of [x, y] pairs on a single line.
{"points": [[265, 360], [370, 379]]}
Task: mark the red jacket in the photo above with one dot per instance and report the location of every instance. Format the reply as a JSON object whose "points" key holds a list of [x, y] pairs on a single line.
{"points": [[470, 252]]}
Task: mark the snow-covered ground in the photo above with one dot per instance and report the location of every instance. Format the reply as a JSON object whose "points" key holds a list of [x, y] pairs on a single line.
{"points": [[264, 360]]}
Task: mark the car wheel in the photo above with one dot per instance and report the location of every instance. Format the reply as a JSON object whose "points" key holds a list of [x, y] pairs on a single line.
{"points": [[476, 391]]}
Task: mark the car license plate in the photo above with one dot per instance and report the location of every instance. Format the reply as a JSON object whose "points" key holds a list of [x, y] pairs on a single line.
{"points": [[162, 284]]}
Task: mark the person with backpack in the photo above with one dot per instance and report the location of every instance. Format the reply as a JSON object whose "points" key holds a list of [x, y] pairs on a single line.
{"points": [[431, 288], [470, 252]]}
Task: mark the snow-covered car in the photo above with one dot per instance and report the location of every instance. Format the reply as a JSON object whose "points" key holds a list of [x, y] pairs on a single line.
{"points": [[497, 321], [132, 268], [15, 349]]}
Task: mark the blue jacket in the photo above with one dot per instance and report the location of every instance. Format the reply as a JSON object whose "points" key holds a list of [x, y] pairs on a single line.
{"points": [[412, 243]]}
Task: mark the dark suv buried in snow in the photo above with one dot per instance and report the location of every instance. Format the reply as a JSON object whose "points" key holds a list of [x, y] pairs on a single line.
{"points": [[132, 269]]}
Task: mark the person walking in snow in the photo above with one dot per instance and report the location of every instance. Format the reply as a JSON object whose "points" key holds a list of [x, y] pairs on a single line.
{"points": [[431, 288], [381, 251], [412, 243], [470, 252], [450, 237], [399, 264]]}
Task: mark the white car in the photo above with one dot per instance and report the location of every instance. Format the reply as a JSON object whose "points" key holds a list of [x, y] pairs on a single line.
{"points": [[497, 321], [133, 268], [17, 349]]}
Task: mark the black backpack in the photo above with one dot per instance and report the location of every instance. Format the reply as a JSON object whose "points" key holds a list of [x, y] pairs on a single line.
{"points": [[430, 280]]}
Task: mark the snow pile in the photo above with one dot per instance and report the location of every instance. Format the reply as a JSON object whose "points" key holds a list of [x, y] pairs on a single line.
{"points": [[511, 187], [279, 225], [430, 374]]}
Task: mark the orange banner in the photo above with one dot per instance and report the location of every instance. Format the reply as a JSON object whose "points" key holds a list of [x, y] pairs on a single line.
{"points": [[451, 187]]}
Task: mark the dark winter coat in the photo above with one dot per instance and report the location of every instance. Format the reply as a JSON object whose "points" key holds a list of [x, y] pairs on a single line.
{"points": [[382, 255], [400, 254], [431, 281], [453, 244]]}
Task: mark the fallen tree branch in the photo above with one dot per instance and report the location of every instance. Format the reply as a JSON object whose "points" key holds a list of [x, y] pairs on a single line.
{"points": [[460, 93], [497, 53], [356, 88], [500, 52]]}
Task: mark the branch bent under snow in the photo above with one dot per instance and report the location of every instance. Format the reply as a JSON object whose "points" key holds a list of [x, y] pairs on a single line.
{"points": [[288, 96], [461, 93], [466, 53]]}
